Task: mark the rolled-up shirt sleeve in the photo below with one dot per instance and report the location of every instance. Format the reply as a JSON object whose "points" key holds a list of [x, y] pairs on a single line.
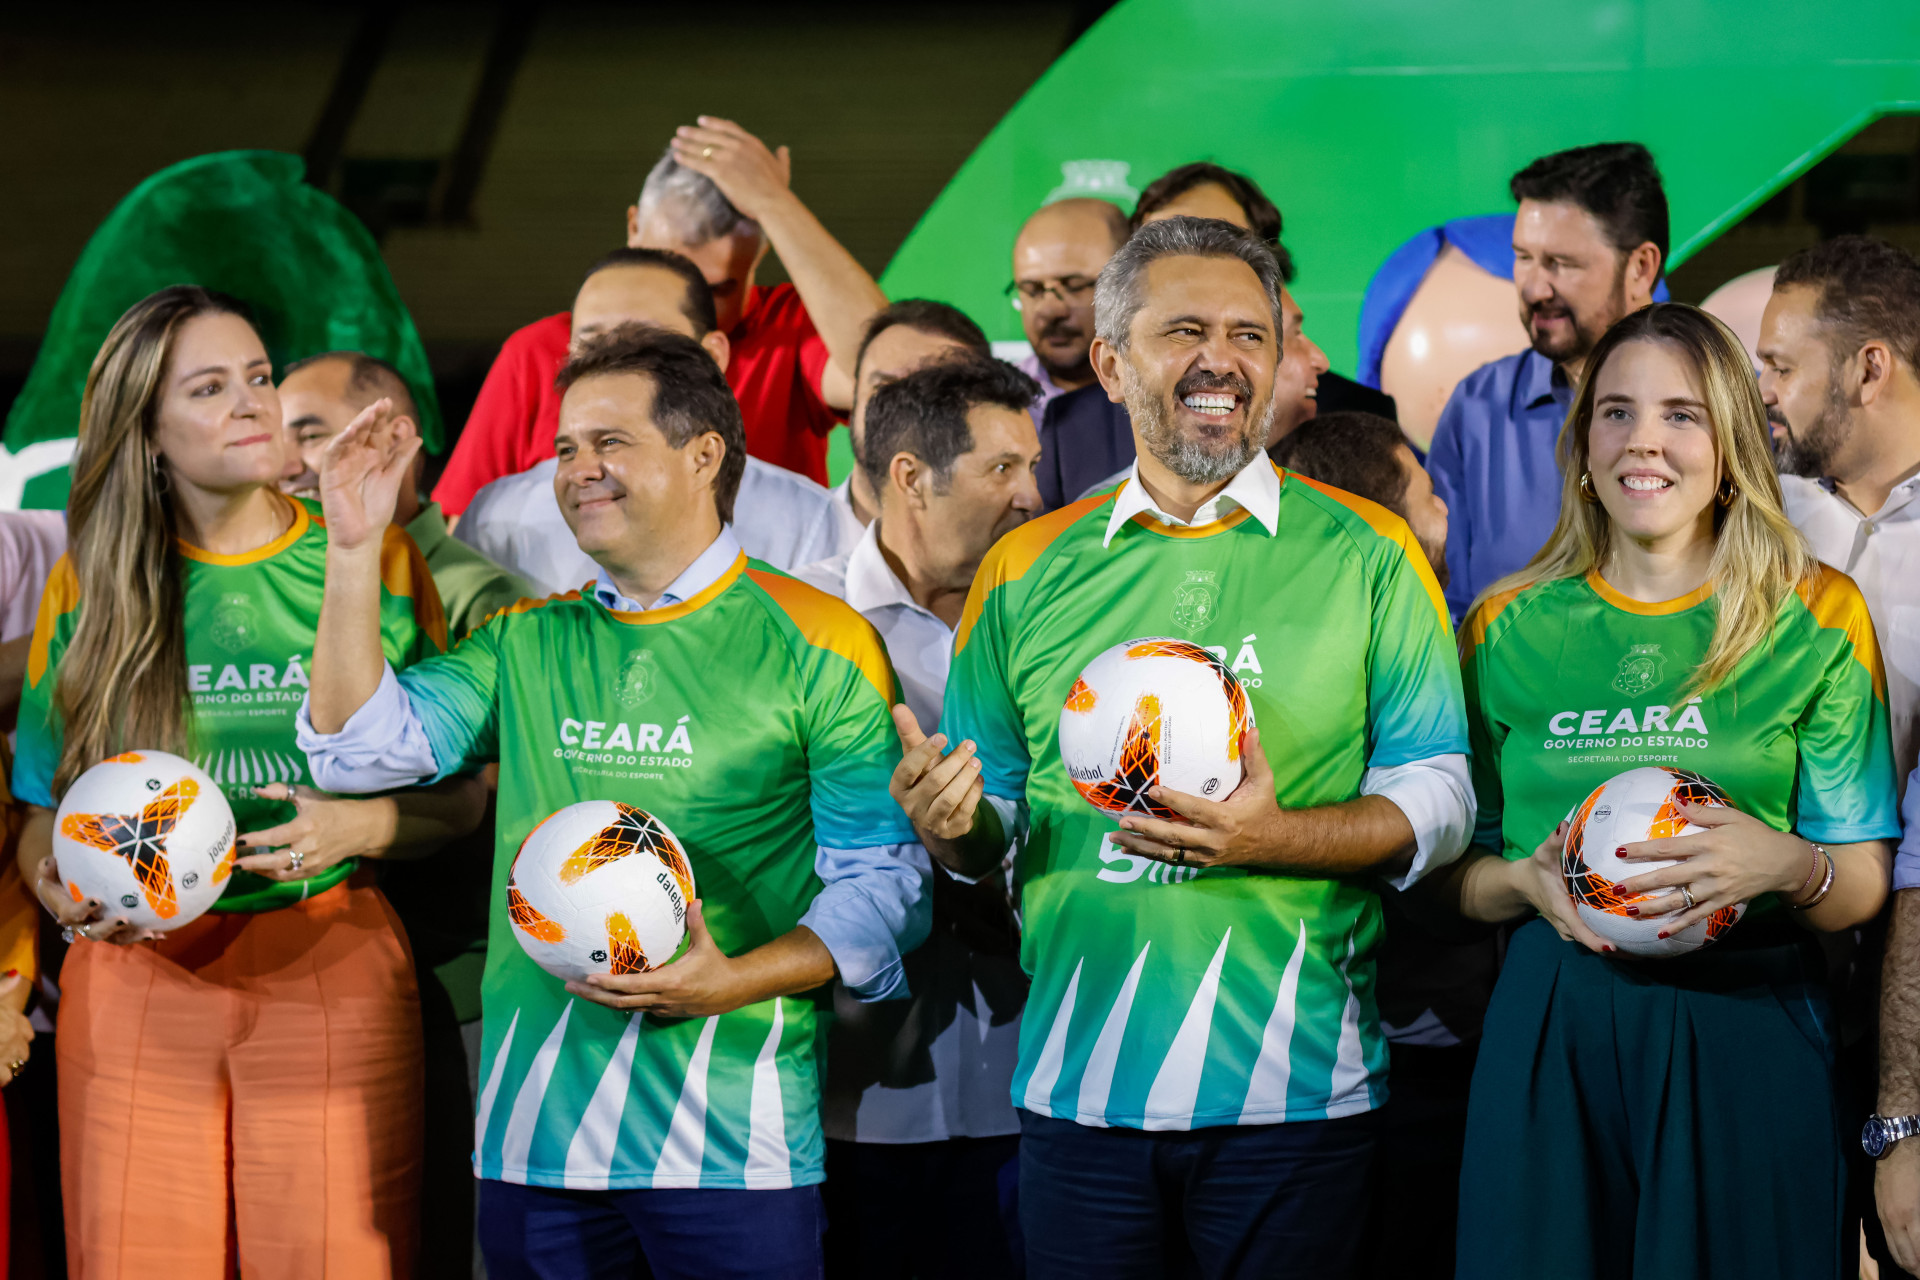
{"points": [[876, 907], [1906, 860], [1436, 795], [383, 745]]}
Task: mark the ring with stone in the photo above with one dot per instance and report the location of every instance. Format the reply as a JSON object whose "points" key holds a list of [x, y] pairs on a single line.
{"points": [[294, 859], [706, 153], [1687, 895]]}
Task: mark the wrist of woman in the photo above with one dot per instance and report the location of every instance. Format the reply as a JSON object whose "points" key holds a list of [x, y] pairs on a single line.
{"points": [[1798, 888]]}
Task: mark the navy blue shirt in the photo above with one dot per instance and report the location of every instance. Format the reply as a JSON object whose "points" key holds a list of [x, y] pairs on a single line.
{"points": [[1492, 463]]}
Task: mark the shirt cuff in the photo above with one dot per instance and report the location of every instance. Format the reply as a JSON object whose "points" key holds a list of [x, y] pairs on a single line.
{"points": [[1013, 825], [1436, 795], [877, 906], [382, 746], [1906, 859]]}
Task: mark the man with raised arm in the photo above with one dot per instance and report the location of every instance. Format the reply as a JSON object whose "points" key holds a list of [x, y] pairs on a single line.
{"points": [[1200, 1046], [671, 1114], [720, 197]]}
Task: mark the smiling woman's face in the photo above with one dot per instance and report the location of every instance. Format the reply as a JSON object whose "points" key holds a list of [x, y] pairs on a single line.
{"points": [[217, 426], [1651, 445]]}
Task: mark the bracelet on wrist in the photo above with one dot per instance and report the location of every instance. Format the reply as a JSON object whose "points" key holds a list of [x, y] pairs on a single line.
{"points": [[1813, 870], [1826, 883]]}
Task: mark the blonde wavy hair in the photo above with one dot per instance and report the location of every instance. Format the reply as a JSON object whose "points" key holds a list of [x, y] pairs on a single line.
{"points": [[123, 678], [1758, 555]]}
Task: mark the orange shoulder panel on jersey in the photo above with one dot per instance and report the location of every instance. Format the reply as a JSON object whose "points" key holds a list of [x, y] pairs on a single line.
{"points": [[60, 596], [403, 571], [527, 604], [1009, 559], [830, 623], [1835, 602], [1389, 526], [1482, 616]]}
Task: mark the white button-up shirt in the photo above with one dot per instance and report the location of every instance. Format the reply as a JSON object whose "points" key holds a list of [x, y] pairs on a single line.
{"points": [[779, 516], [976, 1049], [1881, 553]]}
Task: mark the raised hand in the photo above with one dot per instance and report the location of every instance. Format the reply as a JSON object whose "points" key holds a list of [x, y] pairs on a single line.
{"points": [[361, 471], [939, 789], [748, 175]]}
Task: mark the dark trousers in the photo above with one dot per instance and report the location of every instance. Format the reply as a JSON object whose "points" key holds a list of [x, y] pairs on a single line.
{"points": [[1415, 1196], [1229, 1202], [546, 1233], [924, 1210]]}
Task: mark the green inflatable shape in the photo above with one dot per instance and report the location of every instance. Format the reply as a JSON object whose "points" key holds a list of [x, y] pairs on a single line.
{"points": [[242, 222], [1370, 120]]}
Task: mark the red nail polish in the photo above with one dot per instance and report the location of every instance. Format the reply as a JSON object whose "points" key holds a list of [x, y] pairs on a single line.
{"points": [[1621, 852], [9, 973], [1608, 950], [1663, 935], [1632, 911]]}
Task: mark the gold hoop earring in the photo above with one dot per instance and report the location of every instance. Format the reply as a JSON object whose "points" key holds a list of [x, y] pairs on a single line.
{"points": [[1727, 492], [1586, 487]]}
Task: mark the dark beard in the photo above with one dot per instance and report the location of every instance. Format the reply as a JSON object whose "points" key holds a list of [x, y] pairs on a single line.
{"points": [[1079, 371], [1195, 459], [1809, 452], [1587, 332]]}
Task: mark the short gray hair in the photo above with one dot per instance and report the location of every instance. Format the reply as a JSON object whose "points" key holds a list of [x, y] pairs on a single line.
{"points": [[1122, 288], [691, 203]]}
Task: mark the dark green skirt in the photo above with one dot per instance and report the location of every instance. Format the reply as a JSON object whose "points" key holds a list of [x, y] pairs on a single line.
{"points": [[1657, 1118]]}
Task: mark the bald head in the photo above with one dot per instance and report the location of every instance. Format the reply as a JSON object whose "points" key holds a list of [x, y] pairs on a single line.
{"points": [[1056, 259]]}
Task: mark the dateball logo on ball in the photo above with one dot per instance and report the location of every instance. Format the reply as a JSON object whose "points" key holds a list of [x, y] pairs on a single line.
{"points": [[600, 887], [148, 836], [1153, 712], [1640, 804]]}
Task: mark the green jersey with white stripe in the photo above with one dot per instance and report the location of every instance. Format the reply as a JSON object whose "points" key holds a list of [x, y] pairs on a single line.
{"points": [[753, 720], [1175, 998]]}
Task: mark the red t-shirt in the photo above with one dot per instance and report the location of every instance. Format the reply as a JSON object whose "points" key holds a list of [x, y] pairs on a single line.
{"points": [[775, 371]]}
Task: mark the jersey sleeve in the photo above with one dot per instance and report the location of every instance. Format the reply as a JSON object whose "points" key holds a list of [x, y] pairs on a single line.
{"points": [[39, 735], [1415, 708], [413, 624], [1485, 737], [980, 704], [457, 697], [848, 690], [1847, 789]]}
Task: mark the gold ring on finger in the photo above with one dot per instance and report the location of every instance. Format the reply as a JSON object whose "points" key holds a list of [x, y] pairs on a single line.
{"points": [[1686, 895], [706, 153]]}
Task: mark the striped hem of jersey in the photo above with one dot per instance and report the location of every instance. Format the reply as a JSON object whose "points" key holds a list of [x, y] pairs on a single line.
{"points": [[799, 1176], [1016, 553], [1835, 602], [302, 522], [1390, 527], [828, 622]]}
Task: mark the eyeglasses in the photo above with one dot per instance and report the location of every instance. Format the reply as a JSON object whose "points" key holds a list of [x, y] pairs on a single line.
{"points": [[1071, 289]]}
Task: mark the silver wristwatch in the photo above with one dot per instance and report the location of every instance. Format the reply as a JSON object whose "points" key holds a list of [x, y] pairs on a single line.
{"points": [[1881, 1132]]}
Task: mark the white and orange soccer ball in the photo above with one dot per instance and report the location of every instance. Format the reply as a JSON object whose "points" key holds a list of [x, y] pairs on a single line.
{"points": [[1640, 804], [148, 836], [1149, 712], [600, 887]]}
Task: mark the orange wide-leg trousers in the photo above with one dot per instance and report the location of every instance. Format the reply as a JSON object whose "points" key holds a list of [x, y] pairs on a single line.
{"points": [[244, 1095]]}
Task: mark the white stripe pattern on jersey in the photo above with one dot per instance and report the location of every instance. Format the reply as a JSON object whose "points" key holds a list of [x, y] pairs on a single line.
{"points": [[524, 1120], [685, 1149], [1096, 1084], [769, 1163], [484, 1113], [1273, 1069], [1046, 1072], [1176, 1087], [590, 1154]]}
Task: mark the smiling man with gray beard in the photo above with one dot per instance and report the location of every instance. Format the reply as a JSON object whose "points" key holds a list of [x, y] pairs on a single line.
{"points": [[1200, 1057]]}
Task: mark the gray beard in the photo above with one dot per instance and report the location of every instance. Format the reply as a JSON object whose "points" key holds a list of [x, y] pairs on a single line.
{"points": [[1810, 452], [1195, 459]]}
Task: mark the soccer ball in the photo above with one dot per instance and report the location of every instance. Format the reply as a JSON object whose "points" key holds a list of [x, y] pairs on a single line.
{"points": [[1640, 804], [1153, 711], [600, 887], [148, 836]]}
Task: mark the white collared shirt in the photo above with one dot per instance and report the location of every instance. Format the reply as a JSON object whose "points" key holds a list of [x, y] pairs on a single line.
{"points": [[706, 569], [973, 1051], [779, 516], [1256, 487]]}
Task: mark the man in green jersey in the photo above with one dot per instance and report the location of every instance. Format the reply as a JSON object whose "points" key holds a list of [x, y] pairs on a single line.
{"points": [[672, 1112], [1200, 1052]]}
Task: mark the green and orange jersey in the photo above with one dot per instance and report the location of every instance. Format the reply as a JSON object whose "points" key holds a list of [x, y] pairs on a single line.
{"points": [[250, 622], [1177, 998], [753, 719], [1569, 682]]}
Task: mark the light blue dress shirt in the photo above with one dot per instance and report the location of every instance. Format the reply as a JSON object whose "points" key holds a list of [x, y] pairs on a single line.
{"points": [[1493, 464]]}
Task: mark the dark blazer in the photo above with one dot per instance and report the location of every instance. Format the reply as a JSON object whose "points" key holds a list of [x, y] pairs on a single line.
{"points": [[1086, 438]]}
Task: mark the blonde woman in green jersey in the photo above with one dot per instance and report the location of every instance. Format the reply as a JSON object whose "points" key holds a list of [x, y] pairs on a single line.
{"points": [[249, 1081], [1669, 1117]]}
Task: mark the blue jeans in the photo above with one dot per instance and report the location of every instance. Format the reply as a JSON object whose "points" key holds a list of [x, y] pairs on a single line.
{"points": [[1232, 1202], [546, 1233]]}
